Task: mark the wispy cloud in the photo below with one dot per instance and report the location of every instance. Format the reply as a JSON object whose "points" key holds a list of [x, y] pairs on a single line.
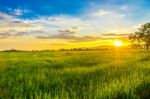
{"points": [[86, 26], [69, 35], [114, 35], [18, 11], [4, 35], [101, 12], [12, 23], [4, 16], [125, 8]]}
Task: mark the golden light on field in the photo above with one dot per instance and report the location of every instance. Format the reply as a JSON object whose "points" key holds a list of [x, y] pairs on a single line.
{"points": [[118, 43]]}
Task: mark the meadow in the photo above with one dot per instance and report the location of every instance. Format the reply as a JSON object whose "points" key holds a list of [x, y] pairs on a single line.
{"points": [[98, 74]]}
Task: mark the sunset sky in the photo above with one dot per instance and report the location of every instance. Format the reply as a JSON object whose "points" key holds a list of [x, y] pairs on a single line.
{"points": [[54, 24]]}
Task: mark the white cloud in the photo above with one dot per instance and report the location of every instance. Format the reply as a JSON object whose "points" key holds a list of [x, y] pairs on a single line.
{"points": [[89, 23], [105, 14], [18, 11], [101, 12], [4, 16], [10, 23], [125, 8]]}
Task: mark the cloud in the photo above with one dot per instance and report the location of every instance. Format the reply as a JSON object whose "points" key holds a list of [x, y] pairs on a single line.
{"points": [[12, 23], [101, 12], [74, 38], [107, 14], [18, 11], [112, 35], [69, 35], [64, 34], [5, 35], [5, 17], [90, 25], [125, 8]]}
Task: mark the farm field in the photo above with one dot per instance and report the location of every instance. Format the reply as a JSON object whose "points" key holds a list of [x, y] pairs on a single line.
{"points": [[99, 74]]}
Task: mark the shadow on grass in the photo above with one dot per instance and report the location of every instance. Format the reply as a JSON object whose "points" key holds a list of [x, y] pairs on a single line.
{"points": [[143, 90], [145, 58], [123, 95]]}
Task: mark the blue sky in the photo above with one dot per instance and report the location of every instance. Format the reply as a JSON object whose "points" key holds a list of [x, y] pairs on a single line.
{"points": [[70, 20], [45, 7], [134, 12], [70, 7]]}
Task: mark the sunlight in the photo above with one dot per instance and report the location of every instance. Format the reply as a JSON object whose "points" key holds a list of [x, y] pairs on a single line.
{"points": [[118, 43]]}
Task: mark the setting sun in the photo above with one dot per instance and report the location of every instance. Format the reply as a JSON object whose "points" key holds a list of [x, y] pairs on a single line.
{"points": [[118, 43]]}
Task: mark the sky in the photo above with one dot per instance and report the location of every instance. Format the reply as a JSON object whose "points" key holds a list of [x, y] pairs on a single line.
{"points": [[55, 24]]}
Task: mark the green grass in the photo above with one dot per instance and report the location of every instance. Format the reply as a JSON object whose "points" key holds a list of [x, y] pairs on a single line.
{"points": [[109, 74]]}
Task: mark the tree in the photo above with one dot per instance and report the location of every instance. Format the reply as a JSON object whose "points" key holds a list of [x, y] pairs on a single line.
{"points": [[142, 35]]}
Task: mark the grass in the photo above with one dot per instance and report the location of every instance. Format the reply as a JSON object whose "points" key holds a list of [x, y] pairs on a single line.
{"points": [[108, 74]]}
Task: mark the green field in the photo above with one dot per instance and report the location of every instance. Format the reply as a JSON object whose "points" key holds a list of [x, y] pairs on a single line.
{"points": [[101, 74]]}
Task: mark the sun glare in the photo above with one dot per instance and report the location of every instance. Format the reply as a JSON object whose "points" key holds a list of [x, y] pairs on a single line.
{"points": [[118, 43]]}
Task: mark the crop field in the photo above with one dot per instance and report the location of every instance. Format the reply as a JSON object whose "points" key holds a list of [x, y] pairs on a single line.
{"points": [[98, 74]]}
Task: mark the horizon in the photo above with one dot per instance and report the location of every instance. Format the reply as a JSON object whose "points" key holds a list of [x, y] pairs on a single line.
{"points": [[101, 47], [56, 24]]}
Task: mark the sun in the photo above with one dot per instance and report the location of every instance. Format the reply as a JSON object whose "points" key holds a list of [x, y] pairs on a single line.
{"points": [[118, 43]]}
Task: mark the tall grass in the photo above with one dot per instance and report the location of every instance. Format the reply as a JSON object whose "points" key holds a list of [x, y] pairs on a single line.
{"points": [[109, 74]]}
